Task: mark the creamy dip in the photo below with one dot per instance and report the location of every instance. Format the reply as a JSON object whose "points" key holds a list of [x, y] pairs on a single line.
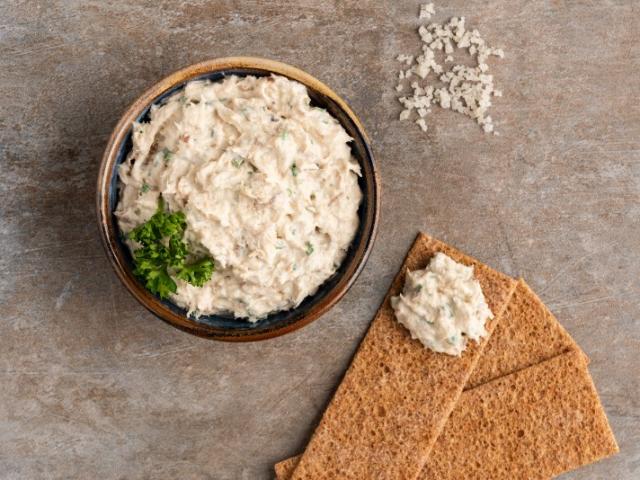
{"points": [[443, 305], [266, 181]]}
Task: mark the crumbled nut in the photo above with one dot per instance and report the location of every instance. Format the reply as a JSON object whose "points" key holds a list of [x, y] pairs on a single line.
{"points": [[425, 63], [407, 59], [425, 35], [443, 98], [467, 90], [426, 11], [448, 46]]}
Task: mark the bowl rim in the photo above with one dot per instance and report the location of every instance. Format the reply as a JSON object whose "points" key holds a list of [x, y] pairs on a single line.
{"points": [[110, 156]]}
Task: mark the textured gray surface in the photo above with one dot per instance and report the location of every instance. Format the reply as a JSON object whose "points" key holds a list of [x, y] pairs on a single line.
{"points": [[92, 386]]}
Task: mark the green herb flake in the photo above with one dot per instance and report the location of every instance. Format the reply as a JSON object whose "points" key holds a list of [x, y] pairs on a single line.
{"points": [[294, 170], [167, 154], [284, 134], [308, 248], [237, 161], [446, 311], [145, 188]]}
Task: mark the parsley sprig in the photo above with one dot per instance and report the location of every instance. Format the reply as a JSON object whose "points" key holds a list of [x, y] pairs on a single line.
{"points": [[162, 253]]}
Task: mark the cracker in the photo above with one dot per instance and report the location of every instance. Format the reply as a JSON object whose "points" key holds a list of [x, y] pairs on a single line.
{"points": [[527, 334], [535, 423], [285, 468], [396, 395]]}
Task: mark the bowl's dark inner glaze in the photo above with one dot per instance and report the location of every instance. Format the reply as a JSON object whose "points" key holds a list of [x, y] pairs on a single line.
{"points": [[360, 151]]}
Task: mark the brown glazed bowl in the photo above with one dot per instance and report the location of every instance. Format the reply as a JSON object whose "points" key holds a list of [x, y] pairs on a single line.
{"points": [[223, 327]]}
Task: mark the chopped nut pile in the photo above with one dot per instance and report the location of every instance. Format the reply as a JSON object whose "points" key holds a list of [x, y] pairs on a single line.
{"points": [[466, 89]]}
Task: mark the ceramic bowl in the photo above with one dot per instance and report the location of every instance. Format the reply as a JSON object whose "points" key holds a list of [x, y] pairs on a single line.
{"points": [[221, 327]]}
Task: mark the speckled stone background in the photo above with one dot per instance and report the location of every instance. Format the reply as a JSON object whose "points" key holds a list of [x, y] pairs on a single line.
{"points": [[93, 386]]}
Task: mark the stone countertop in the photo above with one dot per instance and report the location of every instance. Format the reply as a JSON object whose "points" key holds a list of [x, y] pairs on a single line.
{"points": [[93, 386]]}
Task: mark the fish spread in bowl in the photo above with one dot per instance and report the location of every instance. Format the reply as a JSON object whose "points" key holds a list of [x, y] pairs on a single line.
{"points": [[260, 185]]}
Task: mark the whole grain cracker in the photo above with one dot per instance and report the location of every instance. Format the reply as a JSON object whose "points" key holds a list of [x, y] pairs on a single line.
{"points": [[285, 468], [397, 395], [527, 334], [535, 424]]}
